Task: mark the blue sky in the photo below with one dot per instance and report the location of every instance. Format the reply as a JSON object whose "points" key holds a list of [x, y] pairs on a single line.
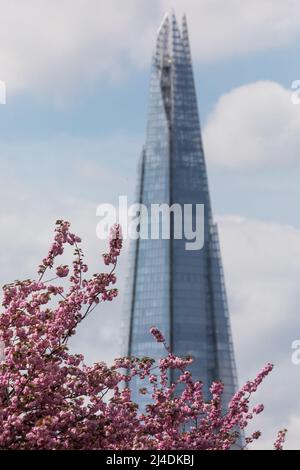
{"points": [[71, 133], [107, 109]]}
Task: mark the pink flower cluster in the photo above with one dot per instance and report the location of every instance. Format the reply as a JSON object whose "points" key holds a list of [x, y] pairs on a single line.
{"points": [[157, 335], [115, 245], [278, 444], [50, 399]]}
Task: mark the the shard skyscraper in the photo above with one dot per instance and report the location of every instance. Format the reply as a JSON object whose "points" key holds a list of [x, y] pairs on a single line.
{"points": [[180, 292]]}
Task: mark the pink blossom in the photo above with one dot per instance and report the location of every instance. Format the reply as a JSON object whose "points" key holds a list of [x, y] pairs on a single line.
{"points": [[157, 335], [50, 399], [62, 271], [278, 444], [258, 409]]}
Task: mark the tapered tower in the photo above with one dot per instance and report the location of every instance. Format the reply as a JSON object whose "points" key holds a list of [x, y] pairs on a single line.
{"points": [[181, 292]]}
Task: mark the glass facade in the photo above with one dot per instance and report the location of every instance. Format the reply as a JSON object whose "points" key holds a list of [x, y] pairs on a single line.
{"points": [[180, 292]]}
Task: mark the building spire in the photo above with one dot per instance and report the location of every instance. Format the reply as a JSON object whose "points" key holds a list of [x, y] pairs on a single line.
{"points": [[178, 290], [185, 36], [171, 37], [163, 23]]}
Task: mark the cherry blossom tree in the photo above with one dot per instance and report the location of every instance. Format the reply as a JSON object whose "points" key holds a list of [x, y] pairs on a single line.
{"points": [[50, 399]]}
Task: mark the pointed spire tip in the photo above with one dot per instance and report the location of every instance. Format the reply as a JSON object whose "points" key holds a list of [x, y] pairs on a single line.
{"points": [[165, 18]]}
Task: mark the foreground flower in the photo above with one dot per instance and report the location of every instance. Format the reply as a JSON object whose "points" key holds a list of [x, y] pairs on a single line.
{"points": [[278, 445], [49, 398]]}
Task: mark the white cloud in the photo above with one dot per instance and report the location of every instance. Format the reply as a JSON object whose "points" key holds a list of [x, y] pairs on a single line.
{"points": [[229, 28], [255, 124], [25, 238], [64, 45], [67, 43], [262, 272], [293, 433], [63, 185]]}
